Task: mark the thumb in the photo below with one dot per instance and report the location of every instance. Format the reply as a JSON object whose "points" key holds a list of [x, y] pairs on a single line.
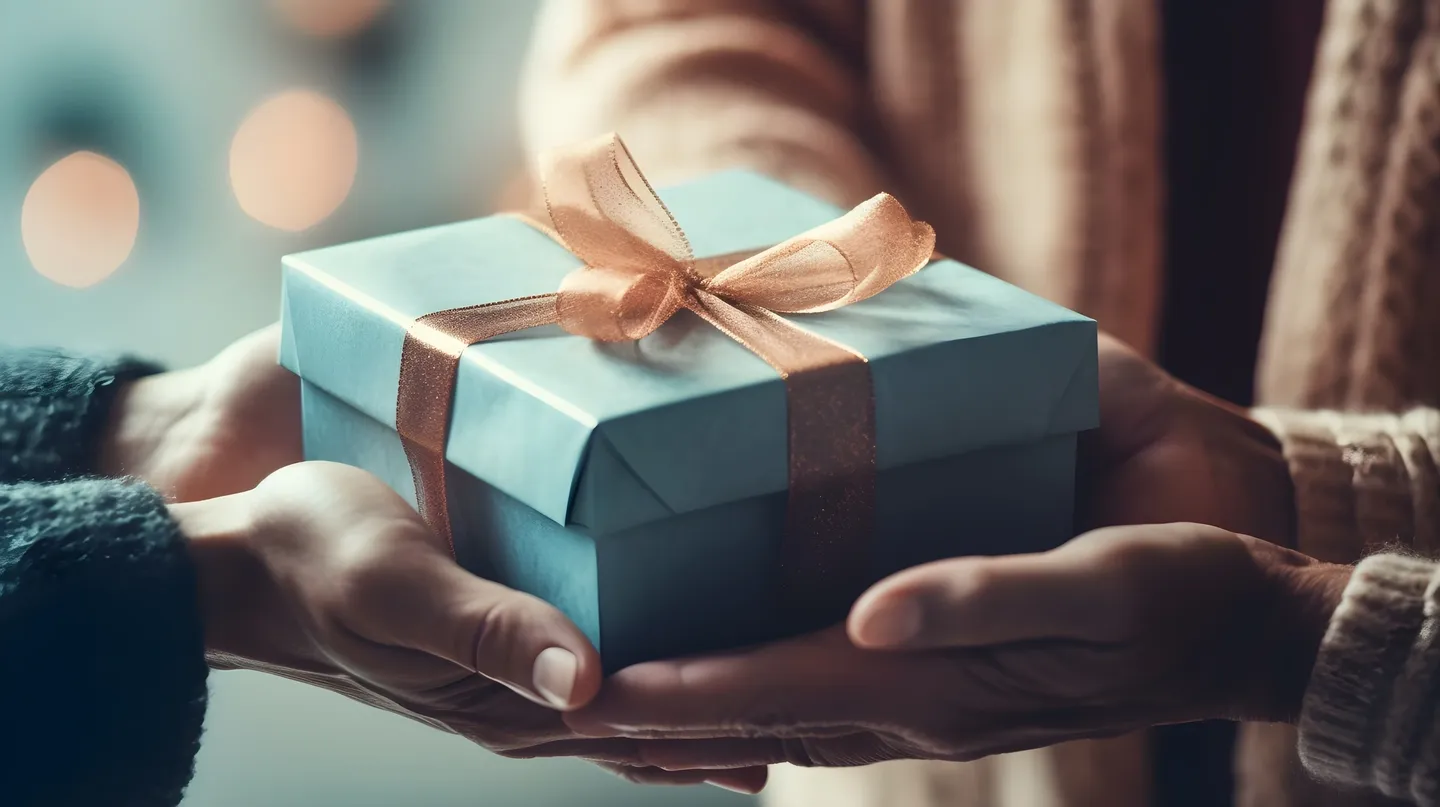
{"points": [[364, 560], [429, 603], [977, 601]]}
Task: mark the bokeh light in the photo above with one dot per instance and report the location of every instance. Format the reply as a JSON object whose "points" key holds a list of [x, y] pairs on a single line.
{"points": [[79, 219], [293, 160], [329, 18]]}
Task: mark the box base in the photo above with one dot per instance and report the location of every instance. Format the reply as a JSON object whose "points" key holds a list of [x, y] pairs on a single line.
{"points": [[708, 580]]}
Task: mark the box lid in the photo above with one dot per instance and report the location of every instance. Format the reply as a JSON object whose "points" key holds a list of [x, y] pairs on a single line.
{"points": [[607, 436]]}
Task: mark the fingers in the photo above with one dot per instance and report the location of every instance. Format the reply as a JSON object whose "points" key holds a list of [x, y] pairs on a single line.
{"points": [[373, 570], [849, 749], [971, 602], [746, 780], [722, 763], [671, 755], [723, 753], [370, 573], [1136, 406], [749, 781], [429, 603], [804, 685], [1096, 588]]}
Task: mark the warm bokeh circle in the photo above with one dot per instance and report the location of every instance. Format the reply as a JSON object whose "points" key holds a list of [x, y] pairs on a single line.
{"points": [[293, 160], [80, 219], [329, 18]]}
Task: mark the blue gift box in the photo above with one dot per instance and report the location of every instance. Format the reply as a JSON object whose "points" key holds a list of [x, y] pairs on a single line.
{"points": [[640, 487]]}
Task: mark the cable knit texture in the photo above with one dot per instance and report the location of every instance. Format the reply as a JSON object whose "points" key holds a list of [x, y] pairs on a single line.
{"points": [[1027, 132], [102, 671], [1369, 717], [1362, 481], [102, 674], [53, 406]]}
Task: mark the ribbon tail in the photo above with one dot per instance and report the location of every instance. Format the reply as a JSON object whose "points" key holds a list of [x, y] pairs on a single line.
{"points": [[830, 403], [429, 361]]}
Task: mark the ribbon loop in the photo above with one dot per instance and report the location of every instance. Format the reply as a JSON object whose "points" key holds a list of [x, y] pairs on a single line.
{"points": [[607, 214], [844, 261]]}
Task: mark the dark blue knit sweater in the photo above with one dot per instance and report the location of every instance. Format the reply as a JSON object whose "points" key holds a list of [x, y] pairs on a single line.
{"points": [[102, 668]]}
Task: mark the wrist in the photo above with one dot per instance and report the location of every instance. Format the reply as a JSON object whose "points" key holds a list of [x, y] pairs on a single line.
{"points": [[1257, 456], [218, 534], [145, 414], [1305, 596], [1284, 513]]}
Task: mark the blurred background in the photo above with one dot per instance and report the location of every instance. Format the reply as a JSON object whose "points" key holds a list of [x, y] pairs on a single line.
{"points": [[157, 157]]}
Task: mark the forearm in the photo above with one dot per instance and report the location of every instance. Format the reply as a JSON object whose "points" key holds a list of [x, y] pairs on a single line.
{"points": [[102, 678], [1362, 481], [697, 87]]}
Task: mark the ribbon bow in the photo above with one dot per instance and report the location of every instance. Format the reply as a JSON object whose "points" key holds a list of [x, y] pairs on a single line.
{"points": [[638, 271]]}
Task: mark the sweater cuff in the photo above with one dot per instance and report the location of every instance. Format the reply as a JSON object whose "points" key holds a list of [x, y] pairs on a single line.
{"points": [[1360, 480], [53, 410], [102, 678], [1348, 705]]}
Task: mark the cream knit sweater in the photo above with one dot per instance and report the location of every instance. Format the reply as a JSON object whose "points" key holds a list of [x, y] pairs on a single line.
{"points": [[1027, 131], [1369, 714]]}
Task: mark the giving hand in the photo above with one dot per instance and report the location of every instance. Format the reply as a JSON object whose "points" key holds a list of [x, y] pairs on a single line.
{"points": [[211, 430], [324, 575]]}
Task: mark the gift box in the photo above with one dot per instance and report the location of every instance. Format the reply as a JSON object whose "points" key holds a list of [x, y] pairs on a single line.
{"points": [[642, 486]]}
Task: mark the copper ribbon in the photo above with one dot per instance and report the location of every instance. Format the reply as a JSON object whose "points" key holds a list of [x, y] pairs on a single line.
{"points": [[638, 271]]}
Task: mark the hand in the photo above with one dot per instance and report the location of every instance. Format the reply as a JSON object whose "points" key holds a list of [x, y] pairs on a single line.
{"points": [[1117, 630], [324, 575], [1168, 453], [212, 430]]}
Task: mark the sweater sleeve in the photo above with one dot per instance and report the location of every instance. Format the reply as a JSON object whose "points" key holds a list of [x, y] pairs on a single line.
{"points": [[1362, 481], [102, 668], [1365, 481], [700, 86], [1371, 715], [53, 407]]}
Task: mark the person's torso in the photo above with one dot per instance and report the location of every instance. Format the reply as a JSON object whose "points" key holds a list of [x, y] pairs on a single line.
{"points": [[1132, 160]]}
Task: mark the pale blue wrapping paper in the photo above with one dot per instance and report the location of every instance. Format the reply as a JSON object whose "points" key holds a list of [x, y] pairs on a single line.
{"points": [[640, 487]]}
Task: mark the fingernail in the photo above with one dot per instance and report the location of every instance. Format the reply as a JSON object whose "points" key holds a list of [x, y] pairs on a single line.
{"points": [[744, 791], [629, 731], [554, 675], [890, 625]]}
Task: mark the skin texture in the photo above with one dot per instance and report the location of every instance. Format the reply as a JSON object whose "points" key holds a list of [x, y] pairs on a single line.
{"points": [[211, 430], [1122, 628], [324, 575], [1166, 453]]}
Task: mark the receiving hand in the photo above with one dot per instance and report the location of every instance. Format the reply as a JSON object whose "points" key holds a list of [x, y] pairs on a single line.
{"points": [[1166, 453], [1117, 630], [324, 575]]}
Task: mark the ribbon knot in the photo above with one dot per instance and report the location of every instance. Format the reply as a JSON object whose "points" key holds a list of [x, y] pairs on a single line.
{"points": [[638, 271], [639, 268]]}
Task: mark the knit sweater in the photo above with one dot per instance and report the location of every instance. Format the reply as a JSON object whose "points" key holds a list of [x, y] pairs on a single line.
{"points": [[1028, 133], [102, 667]]}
